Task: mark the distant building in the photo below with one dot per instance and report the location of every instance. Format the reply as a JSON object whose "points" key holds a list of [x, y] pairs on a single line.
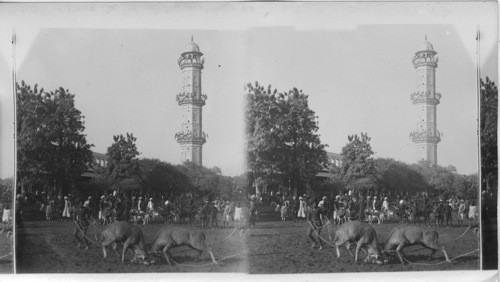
{"points": [[333, 160], [426, 136], [191, 137], [99, 160]]}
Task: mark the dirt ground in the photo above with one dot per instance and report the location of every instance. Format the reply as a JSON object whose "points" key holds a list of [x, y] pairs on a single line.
{"points": [[49, 247], [273, 247], [6, 265], [283, 247]]}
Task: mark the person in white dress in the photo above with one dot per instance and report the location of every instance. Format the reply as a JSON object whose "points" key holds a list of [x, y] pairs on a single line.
{"points": [[302, 208], [385, 205], [67, 206], [150, 207], [472, 212]]}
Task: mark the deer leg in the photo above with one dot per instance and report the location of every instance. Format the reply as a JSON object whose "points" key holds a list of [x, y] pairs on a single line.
{"points": [[126, 245], [167, 254], [348, 247], [358, 247], [398, 252], [338, 252], [115, 245]]}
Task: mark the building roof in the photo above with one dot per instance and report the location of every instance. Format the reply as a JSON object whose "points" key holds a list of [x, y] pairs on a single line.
{"points": [[99, 156], [192, 47], [426, 45], [334, 156]]}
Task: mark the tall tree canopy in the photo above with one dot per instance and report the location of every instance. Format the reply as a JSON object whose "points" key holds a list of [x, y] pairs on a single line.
{"points": [[489, 123], [396, 176], [204, 180], [281, 137], [6, 190], [163, 178], [123, 170], [52, 149], [440, 179], [358, 168]]}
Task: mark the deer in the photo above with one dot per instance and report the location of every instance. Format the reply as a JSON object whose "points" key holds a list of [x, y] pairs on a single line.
{"points": [[408, 235], [175, 236], [364, 235], [127, 233]]}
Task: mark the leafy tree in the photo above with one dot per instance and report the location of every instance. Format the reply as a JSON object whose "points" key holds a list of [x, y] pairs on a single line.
{"points": [[488, 127], [440, 179], [204, 180], [466, 186], [357, 171], [159, 177], [6, 191], [52, 149], [282, 143], [396, 176], [123, 170]]}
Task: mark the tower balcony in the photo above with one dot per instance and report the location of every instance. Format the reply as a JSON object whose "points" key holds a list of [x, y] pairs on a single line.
{"points": [[430, 136], [425, 59], [425, 97], [189, 61], [190, 98], [190, 137]]}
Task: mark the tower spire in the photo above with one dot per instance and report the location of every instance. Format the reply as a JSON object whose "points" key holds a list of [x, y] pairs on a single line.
{"points": [[193, 40], [426, 98], [425, 37], [191, 99]]}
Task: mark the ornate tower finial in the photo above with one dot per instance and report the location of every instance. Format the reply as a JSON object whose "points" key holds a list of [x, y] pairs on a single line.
{"points": [[191, 137], [426, 136]]}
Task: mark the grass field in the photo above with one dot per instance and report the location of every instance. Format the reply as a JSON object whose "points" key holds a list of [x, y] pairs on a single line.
{"points": [[272, 247], [6, 264], [50, 247], [283, 247]]}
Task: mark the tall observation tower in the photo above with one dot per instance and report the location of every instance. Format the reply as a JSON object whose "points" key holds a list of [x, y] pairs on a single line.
{"points": [[426, 136], [191, 137]]}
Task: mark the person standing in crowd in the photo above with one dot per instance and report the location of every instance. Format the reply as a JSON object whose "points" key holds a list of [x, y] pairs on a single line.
{"points": [[67, 206], [313, 217], [336, 208], [139, 204], [472, 212], [461, 213], [295, 206], [284, 210], [253, 211], [150, 207], [82, 221], [49, 209], [59, 205], [302, 209], [102, 206], [385, 205]]}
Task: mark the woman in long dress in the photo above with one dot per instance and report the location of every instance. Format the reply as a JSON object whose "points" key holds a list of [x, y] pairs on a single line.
{"points": [[302, 209], [67, 206], [472, 212], [284, 211]]}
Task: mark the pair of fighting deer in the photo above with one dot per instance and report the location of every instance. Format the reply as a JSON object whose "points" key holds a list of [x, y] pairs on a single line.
{"points": [[400, 237], [350, 232]]}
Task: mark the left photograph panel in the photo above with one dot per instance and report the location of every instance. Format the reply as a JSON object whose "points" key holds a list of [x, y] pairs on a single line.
{"points": [[7, 155], [112, 166]]}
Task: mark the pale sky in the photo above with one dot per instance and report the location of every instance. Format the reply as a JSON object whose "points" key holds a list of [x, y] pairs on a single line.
{"points": [[352, 59]]}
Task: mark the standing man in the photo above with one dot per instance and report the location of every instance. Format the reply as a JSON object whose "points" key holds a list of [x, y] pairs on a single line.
{"points": [[82, 222], [295, 208], [253, 211], [313, 216]]}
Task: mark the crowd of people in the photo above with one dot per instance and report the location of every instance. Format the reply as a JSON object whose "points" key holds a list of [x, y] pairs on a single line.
{"points": [[198, 210], [355, 206]]}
